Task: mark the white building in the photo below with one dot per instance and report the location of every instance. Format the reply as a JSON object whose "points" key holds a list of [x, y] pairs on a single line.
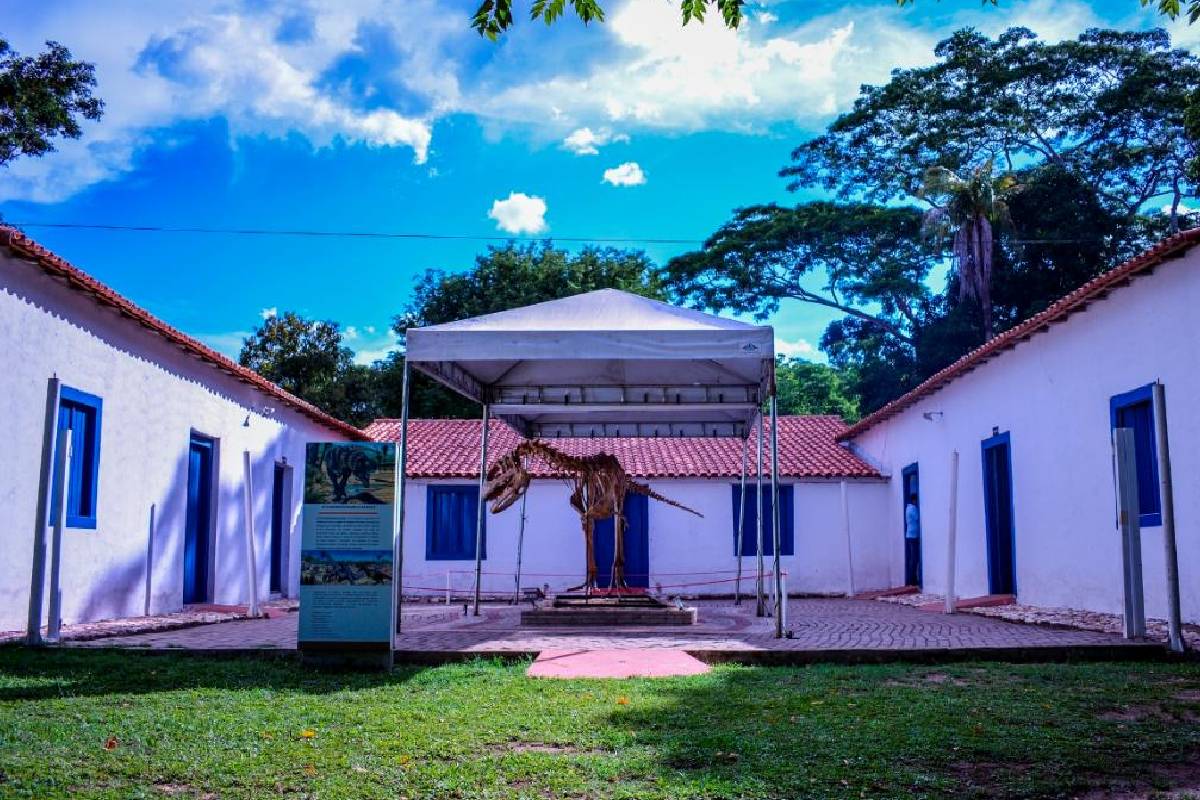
{"points": [[1031, 414], [160, 423], [665, 546]]}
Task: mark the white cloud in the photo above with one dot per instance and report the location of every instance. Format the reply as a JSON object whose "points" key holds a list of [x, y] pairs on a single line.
{"points": [[228, 343], [797, 348], [519, 213], [370, 344], [766, 17], [269, 313], [627, 174], [587, 142]]}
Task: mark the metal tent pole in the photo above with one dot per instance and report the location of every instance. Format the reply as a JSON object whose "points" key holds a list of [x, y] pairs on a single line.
{"points": [[741, 526], [761, 606], [1167, 506], [779, 598], [483, 446], [520, 547], [401, 480]]}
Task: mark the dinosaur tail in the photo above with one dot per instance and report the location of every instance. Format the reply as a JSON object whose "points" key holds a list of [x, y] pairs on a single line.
{"points": [[641, 488]]}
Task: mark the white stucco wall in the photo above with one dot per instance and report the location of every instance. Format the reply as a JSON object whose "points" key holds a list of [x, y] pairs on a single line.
{"points": [[683, 547], [1052, 394], [155, 396]]}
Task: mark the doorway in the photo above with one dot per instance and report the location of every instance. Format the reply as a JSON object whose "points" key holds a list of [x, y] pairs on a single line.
{"points": [[637, 544], [910, 481], [197, 534], [998, 511], [279, 518]]}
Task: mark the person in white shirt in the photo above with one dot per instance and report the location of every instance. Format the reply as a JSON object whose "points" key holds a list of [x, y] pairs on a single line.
{"points": [[912, 542]]}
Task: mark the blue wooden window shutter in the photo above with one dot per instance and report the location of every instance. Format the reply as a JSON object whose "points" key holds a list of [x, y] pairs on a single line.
{"points": [[750, 531], [81, 414], [450, 514], [1136, 410]]}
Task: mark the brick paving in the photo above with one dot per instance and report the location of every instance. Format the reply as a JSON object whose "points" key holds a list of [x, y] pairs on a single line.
{"points": [[816, 625]]}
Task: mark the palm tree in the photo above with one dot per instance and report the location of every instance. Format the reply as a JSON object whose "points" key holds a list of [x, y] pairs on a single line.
{"points": [[964, 213]]}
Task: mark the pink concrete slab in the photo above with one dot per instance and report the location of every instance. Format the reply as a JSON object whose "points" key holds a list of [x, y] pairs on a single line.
{"points": [[640, 663]]}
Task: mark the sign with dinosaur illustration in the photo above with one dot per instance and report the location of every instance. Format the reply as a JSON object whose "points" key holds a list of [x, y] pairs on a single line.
{"points": [[346, 551]]}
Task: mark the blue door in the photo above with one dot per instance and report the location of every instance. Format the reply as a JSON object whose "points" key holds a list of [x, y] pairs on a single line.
{"points": [[198, 525], [998, 511], [277, 521], [637, 544]]}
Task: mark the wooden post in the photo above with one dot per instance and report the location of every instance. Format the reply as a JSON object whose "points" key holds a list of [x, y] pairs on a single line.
{"points": [[1130, 529], [37, 582], [251, 555], [849, 545], [951, 535], [483, 448], [62, 467], [1167, 506]]}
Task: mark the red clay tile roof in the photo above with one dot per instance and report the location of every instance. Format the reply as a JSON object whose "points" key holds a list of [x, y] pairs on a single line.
{"points": [[1076, 301], [449, 448], [21, 246]]}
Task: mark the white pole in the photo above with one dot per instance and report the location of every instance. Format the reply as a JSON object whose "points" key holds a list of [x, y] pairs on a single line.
{"points": [[149, 562], [951, 536], [849, 544], [760, 608], [483, 446], [783, 590], [1167, 507], [37, 583], [447, 587], [1131, 534], [62, 471], [741, 526], [780, 600], [520, 548], [251, 556], [401, 492]]}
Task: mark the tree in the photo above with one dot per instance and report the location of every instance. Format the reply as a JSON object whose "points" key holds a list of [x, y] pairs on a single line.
{"points": [[506, 277], [493, 17], [804, 387], [43, 97], [964, 212], [307, 358], [1108, 107]]}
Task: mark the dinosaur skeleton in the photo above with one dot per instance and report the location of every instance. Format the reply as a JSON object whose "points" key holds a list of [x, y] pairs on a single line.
{"points": [[599, 484]]}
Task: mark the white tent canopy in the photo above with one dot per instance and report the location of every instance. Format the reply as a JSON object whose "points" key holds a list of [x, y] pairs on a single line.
{"points": [[604, 363]]}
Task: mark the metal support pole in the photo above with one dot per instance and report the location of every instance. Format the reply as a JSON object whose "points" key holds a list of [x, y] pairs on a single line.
{"points": [[62, 466], [1167, 507], [1125, 463], [37, 583], [741, 526], [849, 544], [401, 496], [483, 446], [251, 554], [761, 606], [520, 548], [951, 536], [779, 598]]}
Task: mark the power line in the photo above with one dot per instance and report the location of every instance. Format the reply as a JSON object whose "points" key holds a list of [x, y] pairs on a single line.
{"points": [[351, 234]]}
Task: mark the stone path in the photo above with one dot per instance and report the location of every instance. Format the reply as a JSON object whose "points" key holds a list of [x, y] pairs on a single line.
{"points": [[816, 625]]}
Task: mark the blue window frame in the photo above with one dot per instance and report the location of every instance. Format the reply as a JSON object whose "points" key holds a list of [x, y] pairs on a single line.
{"points": [[750, 530], [81, 414], [1136, 410], [450, 515]]}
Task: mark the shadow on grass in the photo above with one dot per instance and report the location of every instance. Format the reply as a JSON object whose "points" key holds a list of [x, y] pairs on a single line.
{"points": [[34, 674], [967, 729]]}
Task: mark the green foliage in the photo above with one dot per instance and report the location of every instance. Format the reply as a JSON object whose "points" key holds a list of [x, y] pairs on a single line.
{"points": [[307, 358], [43, 97], [85, 723], [494, 17], [804, 387]]}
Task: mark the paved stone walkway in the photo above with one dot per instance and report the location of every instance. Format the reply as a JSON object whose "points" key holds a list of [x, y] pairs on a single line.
{"points": [[816, 625]]}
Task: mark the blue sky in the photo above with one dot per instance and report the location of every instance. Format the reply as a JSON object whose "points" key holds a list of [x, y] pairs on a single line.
{"points": [[366, 115]]}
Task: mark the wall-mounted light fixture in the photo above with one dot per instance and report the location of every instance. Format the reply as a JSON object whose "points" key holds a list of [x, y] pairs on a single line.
{"points": [[932, 415]]}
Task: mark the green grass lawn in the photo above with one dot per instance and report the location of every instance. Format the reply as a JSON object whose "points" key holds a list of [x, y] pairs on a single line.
{"points": [[91, 724]]}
